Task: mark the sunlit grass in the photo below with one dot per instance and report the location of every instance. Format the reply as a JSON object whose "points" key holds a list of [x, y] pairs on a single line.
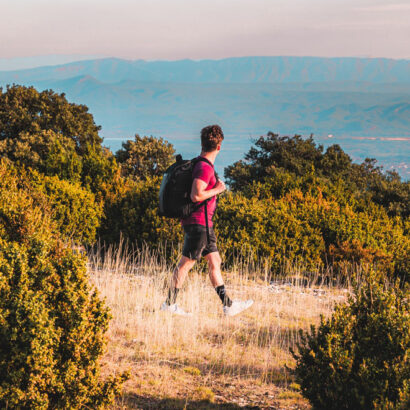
{"points": [[253, 346]]}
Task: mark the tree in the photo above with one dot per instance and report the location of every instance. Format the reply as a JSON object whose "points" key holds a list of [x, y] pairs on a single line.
{"points": [[24, 109], [392, 193], [42, 130], [295, 154], [101, 173], [286, 162], [145, 157], [335, 163]]}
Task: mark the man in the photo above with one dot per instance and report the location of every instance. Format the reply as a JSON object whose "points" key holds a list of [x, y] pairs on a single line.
{"points": [[205, 186]]}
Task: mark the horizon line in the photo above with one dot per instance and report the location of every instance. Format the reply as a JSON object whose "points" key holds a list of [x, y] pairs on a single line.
{"points": [[187, 59]]}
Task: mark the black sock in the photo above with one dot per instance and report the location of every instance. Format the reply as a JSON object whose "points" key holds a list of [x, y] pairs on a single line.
{"points": [[220, 290], [172, 296]]}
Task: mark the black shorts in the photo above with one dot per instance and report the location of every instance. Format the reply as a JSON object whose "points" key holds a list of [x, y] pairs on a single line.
{"points": [[196, 243]]}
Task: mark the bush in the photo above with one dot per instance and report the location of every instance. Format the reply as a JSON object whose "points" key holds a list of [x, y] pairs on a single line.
{"points": [[266, 228], [52, 325], [45, 151], [359, 357], [133, 214], [308, 228], [74, 209], [75, 213]]}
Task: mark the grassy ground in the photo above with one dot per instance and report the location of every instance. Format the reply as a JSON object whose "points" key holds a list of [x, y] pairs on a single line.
{"points": [[207, 360]]}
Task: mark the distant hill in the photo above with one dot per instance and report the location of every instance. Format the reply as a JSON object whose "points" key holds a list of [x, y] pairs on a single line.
{"points": [[345, 97], [229, 70], [20, 63]]}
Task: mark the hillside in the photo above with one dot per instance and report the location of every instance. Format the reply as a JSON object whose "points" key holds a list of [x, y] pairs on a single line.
{"points": [[344, 97], [229, 70]]}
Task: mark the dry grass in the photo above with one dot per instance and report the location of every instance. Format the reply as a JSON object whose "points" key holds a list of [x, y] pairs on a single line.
{"points": [[205, 360]]}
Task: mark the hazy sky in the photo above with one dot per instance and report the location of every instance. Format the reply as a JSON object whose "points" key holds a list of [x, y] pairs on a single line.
{"points": [[197, 29]]}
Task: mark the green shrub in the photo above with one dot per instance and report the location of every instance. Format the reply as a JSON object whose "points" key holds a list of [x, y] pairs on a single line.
{"points": [[52, 324], [310, 229], [75, 213], [101, 174], [133, 214], [294, 202], [359, 357], [74, 208], [266, 228], [46, 151]]}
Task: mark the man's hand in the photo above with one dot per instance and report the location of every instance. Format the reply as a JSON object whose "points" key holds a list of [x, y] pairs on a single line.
{"points": [[199, 192], [220, 186]]}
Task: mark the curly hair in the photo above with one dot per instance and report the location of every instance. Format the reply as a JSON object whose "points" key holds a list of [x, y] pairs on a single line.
{"points": [[211, 137]]}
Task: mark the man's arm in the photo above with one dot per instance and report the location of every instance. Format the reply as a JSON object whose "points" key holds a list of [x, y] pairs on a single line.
{"points": [[199, 193]]}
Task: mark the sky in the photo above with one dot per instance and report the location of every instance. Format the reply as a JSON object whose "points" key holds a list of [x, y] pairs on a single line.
{"points": [[198, 29]]}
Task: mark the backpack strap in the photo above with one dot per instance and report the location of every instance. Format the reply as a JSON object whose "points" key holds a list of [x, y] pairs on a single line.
{"points": [[206, 222], [204, 203], [203, 159]]}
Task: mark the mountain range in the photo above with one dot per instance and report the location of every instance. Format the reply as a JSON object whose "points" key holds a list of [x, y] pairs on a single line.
{"points": [[339, 100]]}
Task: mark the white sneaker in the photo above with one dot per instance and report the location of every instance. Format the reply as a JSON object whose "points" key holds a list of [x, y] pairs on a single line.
{"points": [[237, 306], [174, 309]]}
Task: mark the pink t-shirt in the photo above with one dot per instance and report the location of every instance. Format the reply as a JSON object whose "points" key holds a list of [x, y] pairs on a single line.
{"points": [[205, 172]]}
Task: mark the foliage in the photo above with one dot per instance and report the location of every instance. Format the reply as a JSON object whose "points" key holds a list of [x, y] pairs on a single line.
{"points": [[46, 151], [267, 229], [101, 173], [309, 228], [296, 155], [359, 357], [335, 163], [42, 130], [145, 157], [73, 208], [392, 194], [134, 215], [52, 323], [24, 109], [293, 158], [335, 213]]}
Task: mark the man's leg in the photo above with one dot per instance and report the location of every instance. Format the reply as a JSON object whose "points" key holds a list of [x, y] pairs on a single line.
{"points": [[178, 278], [214, 264], [215, 275], [230, 308], [194, 242]]}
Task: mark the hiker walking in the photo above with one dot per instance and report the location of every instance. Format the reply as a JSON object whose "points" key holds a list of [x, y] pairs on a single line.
{"points": [[196, 208]]}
